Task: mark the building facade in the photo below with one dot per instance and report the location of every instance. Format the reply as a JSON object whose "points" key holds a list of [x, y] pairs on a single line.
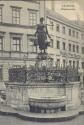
{"points": [[68, 41], [17, 23]]}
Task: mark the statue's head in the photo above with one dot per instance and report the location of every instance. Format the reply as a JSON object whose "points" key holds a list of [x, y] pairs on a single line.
{"points": [[41, 19]]}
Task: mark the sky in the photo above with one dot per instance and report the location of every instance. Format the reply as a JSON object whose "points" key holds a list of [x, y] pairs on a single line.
{"points": [[81, 3], [72, 9]]}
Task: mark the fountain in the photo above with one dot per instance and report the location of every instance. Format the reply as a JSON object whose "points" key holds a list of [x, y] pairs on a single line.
{"points": [[47, 89]]}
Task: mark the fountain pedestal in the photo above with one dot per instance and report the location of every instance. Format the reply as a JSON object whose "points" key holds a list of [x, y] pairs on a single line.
{"points": [[44, 60]]}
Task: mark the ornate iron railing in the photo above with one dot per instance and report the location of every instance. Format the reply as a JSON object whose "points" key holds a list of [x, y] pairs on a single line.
{"points": [[43, 74]]}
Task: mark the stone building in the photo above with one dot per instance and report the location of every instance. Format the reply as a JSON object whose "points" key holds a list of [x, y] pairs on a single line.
{"points": [[17, 23], [68, 39]]}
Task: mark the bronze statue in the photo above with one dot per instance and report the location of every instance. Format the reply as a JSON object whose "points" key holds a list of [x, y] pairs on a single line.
{"points": [[41, 34]]}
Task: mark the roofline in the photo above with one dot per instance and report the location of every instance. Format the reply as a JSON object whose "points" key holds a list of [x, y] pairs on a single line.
{"points": [[65, 20]]}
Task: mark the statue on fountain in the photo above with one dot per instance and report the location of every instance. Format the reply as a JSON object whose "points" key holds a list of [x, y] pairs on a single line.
{"points": [[41, 35]]}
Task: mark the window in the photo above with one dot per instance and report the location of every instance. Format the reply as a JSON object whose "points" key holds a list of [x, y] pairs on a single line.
{"points": [[82, 50], [73, 64], [70, 63], [16, 44], [63, 45], [77, 64], [73, 48], [51, 25], [63, 30], [77, 49], [58, 62], [32, 17], [69, 32], [16, 15], [51, 43], [83, 65], [58, 28], [0, 14], [58, 44], [73, 33], [64, 63], [77, 34], [1, 43], [69, 47]]}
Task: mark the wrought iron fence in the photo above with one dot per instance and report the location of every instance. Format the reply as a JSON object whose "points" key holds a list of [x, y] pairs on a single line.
{"points": [[43, 74]]}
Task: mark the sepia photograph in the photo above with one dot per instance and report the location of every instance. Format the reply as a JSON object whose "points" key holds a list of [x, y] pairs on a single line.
{"points": [[41, 62]]}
